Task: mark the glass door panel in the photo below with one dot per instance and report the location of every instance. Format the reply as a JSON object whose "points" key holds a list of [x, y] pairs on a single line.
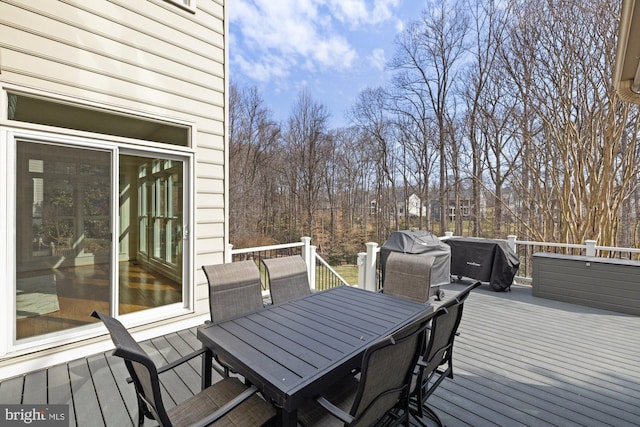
{"points": [[151, 218], [63, 236]]}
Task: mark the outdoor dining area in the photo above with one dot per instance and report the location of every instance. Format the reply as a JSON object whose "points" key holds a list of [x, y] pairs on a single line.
{"points": [[348, 356]]}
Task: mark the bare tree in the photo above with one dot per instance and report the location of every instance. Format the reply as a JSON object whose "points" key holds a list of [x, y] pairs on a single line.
{"points": [[489, 24], [498, 140], [426, 66], [307, 149], [252, 138], [584, 162], [371, 116], [354, 164], [416, 136]]}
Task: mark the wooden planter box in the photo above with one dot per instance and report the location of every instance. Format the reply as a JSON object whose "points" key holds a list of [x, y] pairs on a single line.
{"points": [[610, 284]]}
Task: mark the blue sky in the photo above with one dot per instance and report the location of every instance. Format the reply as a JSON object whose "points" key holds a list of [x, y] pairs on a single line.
{"points": [[333, 48]]}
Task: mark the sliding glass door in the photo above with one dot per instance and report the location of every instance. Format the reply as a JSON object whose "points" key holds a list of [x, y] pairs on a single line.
{"points": [[151, 239], [67, 226], [63, 236]]}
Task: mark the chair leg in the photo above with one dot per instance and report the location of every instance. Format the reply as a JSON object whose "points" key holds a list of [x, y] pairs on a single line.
{"points": [[431, 414], [142, 411], [418, 410], [140, 416]]}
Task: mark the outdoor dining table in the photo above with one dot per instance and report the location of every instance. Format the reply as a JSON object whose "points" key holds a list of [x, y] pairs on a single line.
{"points": [[293, 351]]}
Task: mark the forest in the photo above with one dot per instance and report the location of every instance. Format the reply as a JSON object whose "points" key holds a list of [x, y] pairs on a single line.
{"points": [[500, 118]]}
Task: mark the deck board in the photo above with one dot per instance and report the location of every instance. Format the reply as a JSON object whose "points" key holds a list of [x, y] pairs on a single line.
{"points": [[114, 410], [519, 361], [189, 376], [126, 390], [35, 387], [11, 391], [86, 405], [59, 389]]}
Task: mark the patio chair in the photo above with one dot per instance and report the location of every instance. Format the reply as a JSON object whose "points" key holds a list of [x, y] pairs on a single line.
{"points": [[380, 392], [408, 276], [234, 290], [288, 278], [227, 402], [436, 363]]}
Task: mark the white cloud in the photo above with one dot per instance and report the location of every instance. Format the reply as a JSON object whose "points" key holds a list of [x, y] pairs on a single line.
{"points": [[334, 48], [293, 28], [377, 59], [262, 69], [358, 12]]}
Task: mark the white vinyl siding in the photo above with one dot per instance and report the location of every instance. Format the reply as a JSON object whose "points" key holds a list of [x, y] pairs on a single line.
{"points": [[136, 56]]}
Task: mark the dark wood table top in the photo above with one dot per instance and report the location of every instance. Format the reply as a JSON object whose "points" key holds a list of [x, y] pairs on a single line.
{"points": [[295, 350]]}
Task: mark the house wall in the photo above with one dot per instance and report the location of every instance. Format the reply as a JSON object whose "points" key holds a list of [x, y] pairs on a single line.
{"points": [[147, 57]]}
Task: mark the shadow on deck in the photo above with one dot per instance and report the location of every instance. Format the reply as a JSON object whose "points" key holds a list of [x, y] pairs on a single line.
{"points": [[519, 361]]}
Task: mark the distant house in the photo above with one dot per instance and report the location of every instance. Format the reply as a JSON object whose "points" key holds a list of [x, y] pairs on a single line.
{"points": [[113, 151], [415, 207]]}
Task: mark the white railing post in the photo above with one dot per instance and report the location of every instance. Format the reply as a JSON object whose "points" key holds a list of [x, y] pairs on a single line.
{"points": [[309, 260], [228, 256], [370, 267], [591, 247], [311, 268], [362, 262], [511, 241], [306, 250]]}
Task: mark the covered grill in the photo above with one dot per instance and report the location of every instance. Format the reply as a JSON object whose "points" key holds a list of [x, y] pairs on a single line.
{"points": [[487, 260]]}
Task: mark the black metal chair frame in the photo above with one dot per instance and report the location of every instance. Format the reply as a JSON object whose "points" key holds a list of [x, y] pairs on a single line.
{"points": [[436, 363], [396, 398], [144, 375]]}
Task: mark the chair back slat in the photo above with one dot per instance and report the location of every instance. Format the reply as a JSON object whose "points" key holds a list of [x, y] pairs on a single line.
{"points": [[288, 278], [234, 289], [443, 330], [408, 276]]}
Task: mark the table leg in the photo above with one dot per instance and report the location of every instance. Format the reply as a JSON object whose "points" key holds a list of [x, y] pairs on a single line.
{"points": [[207, 357], [287, 418]]}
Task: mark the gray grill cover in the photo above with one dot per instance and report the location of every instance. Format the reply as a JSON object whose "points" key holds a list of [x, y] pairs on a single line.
{"points": [[424, 243]]}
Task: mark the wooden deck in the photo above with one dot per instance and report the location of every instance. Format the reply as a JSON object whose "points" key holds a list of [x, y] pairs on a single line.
{"points": [[519, 361]]}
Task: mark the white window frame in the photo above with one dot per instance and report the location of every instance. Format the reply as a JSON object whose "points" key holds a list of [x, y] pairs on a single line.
{"points": [[188, 5], [8, 143]]}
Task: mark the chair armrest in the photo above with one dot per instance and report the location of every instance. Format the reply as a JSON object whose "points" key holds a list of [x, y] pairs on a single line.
{"points": [[180, 361], [226, 408], [177, 362], [334, 410], [219, 369]]}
